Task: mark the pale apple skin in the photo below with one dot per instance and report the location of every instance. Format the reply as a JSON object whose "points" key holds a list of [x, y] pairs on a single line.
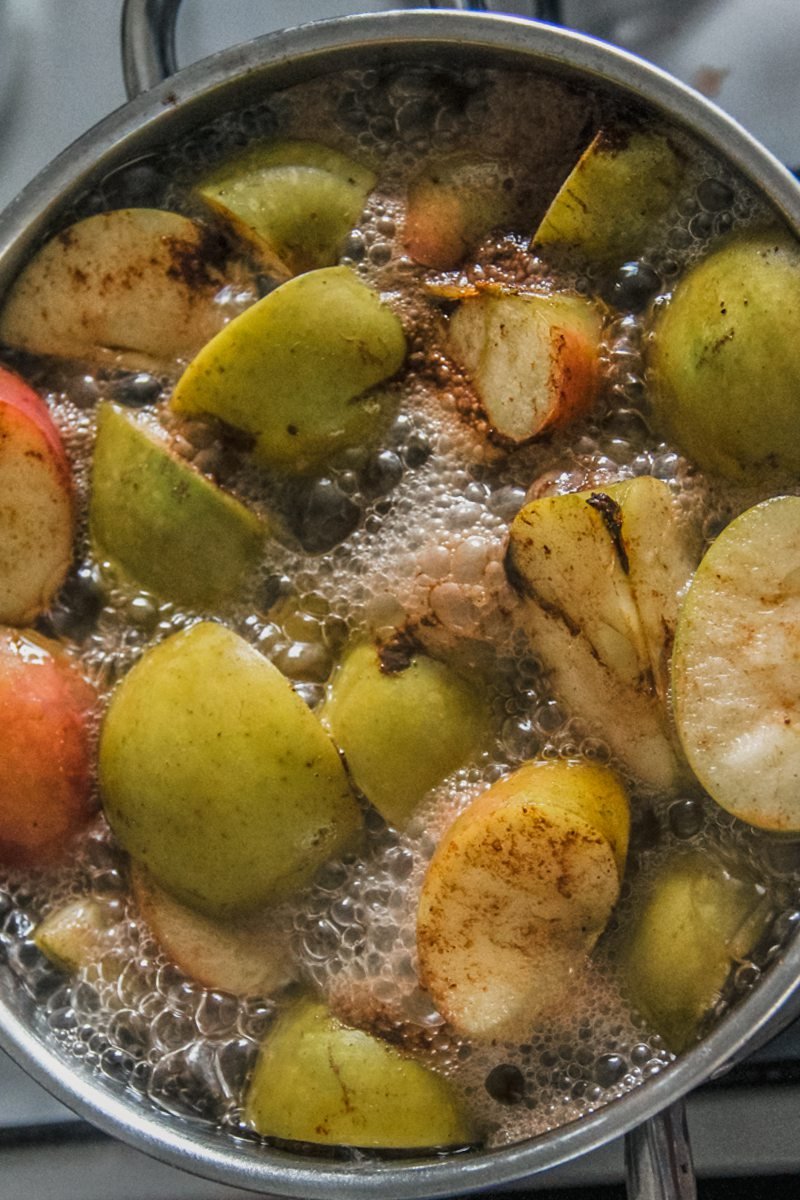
{"points": [[317, 1080], [47, 710], [724, 359], [217, 778], [37, 504]]}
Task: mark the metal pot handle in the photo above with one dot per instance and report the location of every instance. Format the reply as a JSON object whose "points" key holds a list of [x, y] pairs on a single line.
{"points": [[658, 1158]]}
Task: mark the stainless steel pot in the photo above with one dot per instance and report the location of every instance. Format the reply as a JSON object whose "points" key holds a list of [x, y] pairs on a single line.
{"points": [[165, 110]]}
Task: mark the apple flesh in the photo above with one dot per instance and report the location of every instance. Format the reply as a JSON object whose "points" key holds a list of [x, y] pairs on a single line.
{"points": [[75, 935], [295, 370], [317, 1080], [519, 890], [46, 757], [533, 359], [295, 201], [135, 287], [403, 723], [736, 667], [617, 193], [170, 528], [217, 778], [37, 511], [724, 360]]}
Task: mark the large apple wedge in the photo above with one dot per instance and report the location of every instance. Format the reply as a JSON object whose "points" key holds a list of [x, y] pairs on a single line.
{"points": [[599, 574], [614, 198], [317, 1080], [135, 287], [296, 369], [736, 667], [724, 359], [37, 517], [517, 894], [171, 529], [534, 359], [217, 778], [297, 201]]}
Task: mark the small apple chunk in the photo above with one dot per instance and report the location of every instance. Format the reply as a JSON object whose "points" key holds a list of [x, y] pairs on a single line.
{"points": [[724, 359], [46, 757], [295, 370], [297, 201], [619, 190], [171, 529], [533, 358], [317, 1080], [736, 667], [135, 287], [217, 778], [37, 512], [696, 922], [599, 574], [75, 935], [518, 892], [246, 955], [403, 721]]}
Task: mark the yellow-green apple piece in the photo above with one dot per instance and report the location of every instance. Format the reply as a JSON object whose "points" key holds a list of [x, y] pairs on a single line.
{"points": [[171, 529], [599, 574], [403, 724], [246, 954], [724, 359], [296, 200], [37, 510], [295, 370], [517, 893], [533, 358], [736, 667], [318, 1080], [616, 195], [216, 776], [76, 934], [695, 923], [134, 287]]}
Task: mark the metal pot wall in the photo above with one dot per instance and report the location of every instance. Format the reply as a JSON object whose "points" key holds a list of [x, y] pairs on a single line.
{"points": [[165, 112]]}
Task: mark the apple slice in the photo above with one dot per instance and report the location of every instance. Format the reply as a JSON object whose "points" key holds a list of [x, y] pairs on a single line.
{"points": [[736, 667], [533, 358], [135, 287], [297, 201], [75, 935], [724, 359], [696, 922], [218, 778], [174, 531], [317, 1080], [403, 722], [246, 955], [295, 370], [518, 892], [46, 756], [606, 210], [599, 574], [37, 512]]}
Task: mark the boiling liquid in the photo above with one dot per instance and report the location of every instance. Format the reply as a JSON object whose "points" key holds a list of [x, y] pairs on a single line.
{"points": [[431, 508]]}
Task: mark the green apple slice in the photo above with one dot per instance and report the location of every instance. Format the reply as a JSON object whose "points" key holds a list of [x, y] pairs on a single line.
{"points": [[696, 921], [724, 360], [217, 778], [75, 935], [534, 359], [296, 370], [621, 187], [403, 727], [317, 1080], [135, 287], [296, 200], [171, 529], [736, 667], [517, 894]]}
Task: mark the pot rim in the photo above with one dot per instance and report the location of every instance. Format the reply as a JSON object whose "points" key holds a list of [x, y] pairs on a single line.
{"points": [[282, 58]]}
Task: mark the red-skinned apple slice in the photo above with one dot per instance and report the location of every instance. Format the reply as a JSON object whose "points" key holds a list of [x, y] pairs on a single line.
{"points": [[37, 518]]}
